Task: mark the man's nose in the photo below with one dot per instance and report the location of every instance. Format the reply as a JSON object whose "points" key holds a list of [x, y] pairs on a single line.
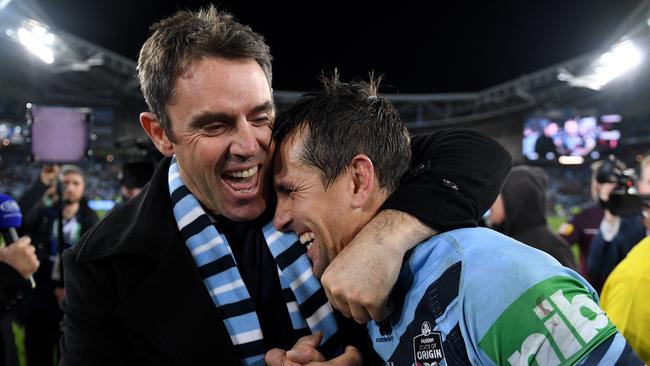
{"points": [[282, 218], [245, 143]]}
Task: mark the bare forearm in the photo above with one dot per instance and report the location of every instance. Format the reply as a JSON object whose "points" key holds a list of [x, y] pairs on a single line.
{"points": [[359, 280], [395, 231]]}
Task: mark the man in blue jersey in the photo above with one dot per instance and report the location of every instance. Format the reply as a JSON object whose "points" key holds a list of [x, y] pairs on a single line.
{"points": [[465, 296]]}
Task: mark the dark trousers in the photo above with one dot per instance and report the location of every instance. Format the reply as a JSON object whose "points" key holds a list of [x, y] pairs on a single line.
{"points": [[8, 354], [43, 329]]}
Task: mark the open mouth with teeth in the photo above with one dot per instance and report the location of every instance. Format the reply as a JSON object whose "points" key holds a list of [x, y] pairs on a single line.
{"points": [[307, 239], [242, 181]]}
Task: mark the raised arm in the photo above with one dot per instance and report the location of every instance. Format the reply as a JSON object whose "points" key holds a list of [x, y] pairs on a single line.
{"points": [[30, 201], [455, 177]]}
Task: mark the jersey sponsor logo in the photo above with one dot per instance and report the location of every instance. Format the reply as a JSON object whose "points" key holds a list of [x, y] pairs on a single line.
{"points": [[384, 339], [427, 347], [554, 322]]}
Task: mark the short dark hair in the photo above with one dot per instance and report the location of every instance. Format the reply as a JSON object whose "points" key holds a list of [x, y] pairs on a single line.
{"points": [[343, 120], [187, 36]]}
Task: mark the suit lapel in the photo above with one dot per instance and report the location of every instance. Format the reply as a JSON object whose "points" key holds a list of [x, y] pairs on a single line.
{"points": [[173, 310], [170, 307]]}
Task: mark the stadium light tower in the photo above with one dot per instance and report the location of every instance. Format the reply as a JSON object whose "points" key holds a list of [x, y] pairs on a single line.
{"points": [[622, 57], [36, 38], [619, 59], [4, 3]]}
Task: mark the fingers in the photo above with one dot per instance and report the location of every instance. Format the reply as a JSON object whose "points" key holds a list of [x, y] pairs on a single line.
{"points": [[306, 349], [312, 340], [364, 313], [22, 256], [336, 299], [360, 314], [351, 357], [23, 242], [276, 357], [381, 312], [361, 308]]}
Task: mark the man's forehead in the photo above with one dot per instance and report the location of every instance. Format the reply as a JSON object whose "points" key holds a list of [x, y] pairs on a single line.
{"points": [[223, 77], [72, 174], [291, 147], [288, 161]]}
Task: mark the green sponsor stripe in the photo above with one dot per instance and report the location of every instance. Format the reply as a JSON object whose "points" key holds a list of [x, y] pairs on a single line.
{"points": [[556, 321]]}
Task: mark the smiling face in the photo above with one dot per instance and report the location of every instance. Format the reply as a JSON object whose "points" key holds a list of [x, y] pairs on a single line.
{"points": [[324, 218], [221, 116]]}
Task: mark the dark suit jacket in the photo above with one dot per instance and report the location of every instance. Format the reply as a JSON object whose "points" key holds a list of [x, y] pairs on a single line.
{"points": [[134, 294]]}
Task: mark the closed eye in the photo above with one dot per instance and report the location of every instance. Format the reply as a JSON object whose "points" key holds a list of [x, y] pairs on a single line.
{"points": [[214, 128], [283, 190], [261, 121]]}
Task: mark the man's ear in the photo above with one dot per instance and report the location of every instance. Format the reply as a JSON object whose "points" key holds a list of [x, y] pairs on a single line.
{"points": [[156, 133], [363, 178]]}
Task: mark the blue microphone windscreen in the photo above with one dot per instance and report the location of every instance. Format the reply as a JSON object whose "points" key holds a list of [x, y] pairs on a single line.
{"points": [[10, 215]]}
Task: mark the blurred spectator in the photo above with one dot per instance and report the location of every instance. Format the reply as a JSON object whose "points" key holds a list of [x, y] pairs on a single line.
{"points": [[617, 235], [566, 189], [528, 142], [574, 142], [625, 301], [546, 144], [17, 263], [520, 212], [44, 225], [581, 228], [133, 177]]}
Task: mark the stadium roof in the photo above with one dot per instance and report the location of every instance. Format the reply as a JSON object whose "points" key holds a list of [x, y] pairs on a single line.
{"points": [[470, 61]]}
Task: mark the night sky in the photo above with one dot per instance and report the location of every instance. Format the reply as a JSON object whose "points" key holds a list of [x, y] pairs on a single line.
{"points": [[421, 47]]}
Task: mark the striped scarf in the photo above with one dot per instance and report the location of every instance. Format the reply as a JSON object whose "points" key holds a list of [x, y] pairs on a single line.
{"points": [[305, 299]]}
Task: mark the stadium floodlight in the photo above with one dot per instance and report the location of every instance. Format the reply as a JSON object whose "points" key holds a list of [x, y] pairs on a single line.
{"points": [[4, 3], [37, 39], [619, 59]]}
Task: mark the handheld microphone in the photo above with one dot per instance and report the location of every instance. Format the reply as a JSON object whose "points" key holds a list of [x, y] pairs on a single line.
{"points": [[10, 219]]}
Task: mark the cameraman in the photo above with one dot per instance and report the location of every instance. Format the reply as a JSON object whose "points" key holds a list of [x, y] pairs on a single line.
{"points": [[617, 235], [42, 222]]}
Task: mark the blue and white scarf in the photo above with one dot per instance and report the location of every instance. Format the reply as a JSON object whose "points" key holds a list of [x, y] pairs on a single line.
{"points": [[304, 296]]}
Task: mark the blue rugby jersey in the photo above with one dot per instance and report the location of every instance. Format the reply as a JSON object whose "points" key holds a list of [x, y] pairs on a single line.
{"points": [[474, 296]]}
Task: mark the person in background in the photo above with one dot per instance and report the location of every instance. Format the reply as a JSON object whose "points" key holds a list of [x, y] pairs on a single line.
{"points": [[617, 235], [520, 212], [625, 298], [582, 227], [546, 145], [134, 176], [43, 316], [465, 296], [18, 262]]}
